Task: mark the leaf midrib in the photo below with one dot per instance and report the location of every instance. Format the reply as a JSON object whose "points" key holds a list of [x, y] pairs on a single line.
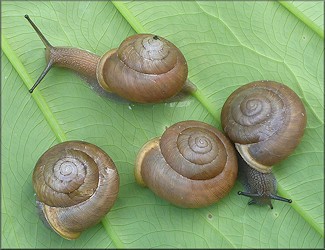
{"points": [[302, 17], [37, 96], [138, 27]]}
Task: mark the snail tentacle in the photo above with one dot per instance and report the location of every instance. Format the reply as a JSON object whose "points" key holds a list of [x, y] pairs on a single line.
{"points": [[266, 121], [145, 68]]}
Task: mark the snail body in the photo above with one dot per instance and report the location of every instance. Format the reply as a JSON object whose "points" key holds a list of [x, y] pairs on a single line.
{"points": [[76, 184], [266, 121], [191, 165], [145, 68], [260, 187]]}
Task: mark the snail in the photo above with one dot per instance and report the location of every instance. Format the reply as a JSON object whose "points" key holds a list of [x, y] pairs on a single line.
{"points": [[191, 165], [266, 121], [145, 68], [76, 184]]}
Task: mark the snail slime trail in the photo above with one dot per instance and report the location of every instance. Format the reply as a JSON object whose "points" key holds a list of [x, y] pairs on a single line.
{"points": [[145, 68], [266, 121]]}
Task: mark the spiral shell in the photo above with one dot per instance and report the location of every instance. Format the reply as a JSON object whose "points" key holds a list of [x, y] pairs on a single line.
{"points": [[265, 120], [76, 184], [191, 165], [145, 68]]}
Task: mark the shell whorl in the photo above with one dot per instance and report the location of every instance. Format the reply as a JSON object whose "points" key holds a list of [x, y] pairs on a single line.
{"points": [[145, 68], [76, 184], [191, 165], [265, 120]]}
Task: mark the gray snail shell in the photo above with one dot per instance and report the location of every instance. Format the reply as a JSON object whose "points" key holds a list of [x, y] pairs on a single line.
{"points": [[146, 68], [266, 121], [191, 165], [76, 184]]}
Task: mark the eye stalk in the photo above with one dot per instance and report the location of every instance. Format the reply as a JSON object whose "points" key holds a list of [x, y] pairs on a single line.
{"points": [[266, 121], [145, 68], [258, 199], [48, 48], [261, 187]]}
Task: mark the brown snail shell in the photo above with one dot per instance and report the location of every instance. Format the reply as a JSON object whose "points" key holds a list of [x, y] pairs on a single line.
{"points": [[265, 120], [146, 68], [76, 184], [191, 165]]}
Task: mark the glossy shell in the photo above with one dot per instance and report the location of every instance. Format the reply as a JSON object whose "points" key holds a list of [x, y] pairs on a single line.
{"points": [[76, 184], [265, 120], [145, 68], [191, 165]]}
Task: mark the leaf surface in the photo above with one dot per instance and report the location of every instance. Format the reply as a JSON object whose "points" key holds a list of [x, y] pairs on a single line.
{"points": [[226, 45]]}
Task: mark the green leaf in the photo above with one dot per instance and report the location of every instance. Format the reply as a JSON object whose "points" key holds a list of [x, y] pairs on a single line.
{"points": [[226, 44]]}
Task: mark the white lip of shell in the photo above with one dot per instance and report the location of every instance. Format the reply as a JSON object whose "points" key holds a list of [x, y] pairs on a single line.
{"points": [[243, 151]]}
